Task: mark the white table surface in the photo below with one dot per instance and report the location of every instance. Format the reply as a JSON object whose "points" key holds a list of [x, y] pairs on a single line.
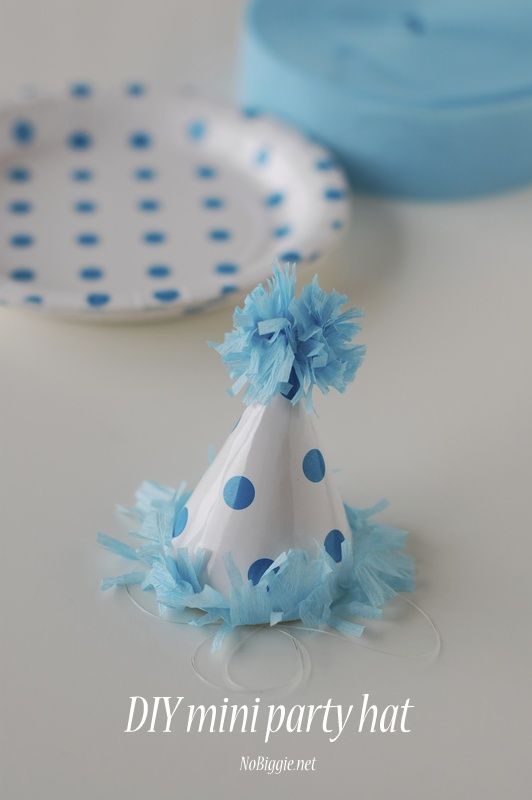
{"points": [[438, 421]]}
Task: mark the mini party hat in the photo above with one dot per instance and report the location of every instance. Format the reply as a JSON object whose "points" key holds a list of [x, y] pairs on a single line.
{"points": [[265, 537]]}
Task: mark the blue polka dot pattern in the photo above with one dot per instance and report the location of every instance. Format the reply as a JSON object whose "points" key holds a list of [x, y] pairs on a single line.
{"points": [[314, 466], [33, 299], [91, 273], [88, 239], [325, 164], [180, 522], [158, 271], [230, 289], [135, 89], [21, 240], [212, 203], [23, 131], [97, 300], [290, 256], [258, 568], [84, 206], [239, 492], [333, 544], [22, 274], [262, 157], [81, 175], [19, 174], [149, 204], [20, 207], [166, 295], [334, 194], [226, 269], [80, 140], [196, 129], [145, 174], [154, 237], [337, 224], [205, 171], [219, 235], [140, 140], [281, 231], [81, 90], [274, 199], [250, 112]]}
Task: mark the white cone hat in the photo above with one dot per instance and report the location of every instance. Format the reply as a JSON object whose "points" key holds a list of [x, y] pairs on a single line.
{"points": [[270, 489], [270, 495]]}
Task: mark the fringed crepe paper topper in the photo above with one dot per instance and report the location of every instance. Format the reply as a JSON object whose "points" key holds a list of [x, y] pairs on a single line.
{"points": [[287, 345], [265, 536]]}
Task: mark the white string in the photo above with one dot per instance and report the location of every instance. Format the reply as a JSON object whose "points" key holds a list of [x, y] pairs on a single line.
{"points": [[301, 674], [304, 664], [431, 654]]}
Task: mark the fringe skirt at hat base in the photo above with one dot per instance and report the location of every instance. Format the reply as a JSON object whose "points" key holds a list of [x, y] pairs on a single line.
{"points": [[340, 580]]}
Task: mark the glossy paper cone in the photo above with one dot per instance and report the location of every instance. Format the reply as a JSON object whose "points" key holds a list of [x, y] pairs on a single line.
{"points": [[270, 489]]}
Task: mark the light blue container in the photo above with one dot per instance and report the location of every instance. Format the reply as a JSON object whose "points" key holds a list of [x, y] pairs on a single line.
{"points": [[420, 100]]}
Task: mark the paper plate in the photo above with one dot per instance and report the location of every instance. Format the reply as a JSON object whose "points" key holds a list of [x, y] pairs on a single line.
{"points": [[144, 202]]}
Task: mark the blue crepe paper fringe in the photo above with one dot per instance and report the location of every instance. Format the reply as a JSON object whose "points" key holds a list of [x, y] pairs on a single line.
{"points": [[298, 586], [281, 344]]}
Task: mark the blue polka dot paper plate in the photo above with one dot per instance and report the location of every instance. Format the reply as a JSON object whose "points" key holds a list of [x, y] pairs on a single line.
{"points": [[144, 201]]}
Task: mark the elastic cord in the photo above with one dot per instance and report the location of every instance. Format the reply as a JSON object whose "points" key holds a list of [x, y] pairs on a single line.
{"points": [[431, 654], [300, 675], [304, 664]]}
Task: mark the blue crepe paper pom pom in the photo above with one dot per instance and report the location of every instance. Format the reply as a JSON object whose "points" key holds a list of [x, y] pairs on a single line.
{"points": [[281, 344]]}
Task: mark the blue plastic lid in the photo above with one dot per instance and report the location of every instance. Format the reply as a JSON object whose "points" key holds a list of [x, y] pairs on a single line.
{"points": [[429, 53], [420, 99]]}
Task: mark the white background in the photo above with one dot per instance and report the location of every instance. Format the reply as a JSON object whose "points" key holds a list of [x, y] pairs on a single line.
{"points": [[438, 421]]}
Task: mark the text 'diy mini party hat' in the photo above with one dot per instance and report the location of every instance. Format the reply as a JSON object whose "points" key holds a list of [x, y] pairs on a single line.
{"points": [[265, 537]]}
